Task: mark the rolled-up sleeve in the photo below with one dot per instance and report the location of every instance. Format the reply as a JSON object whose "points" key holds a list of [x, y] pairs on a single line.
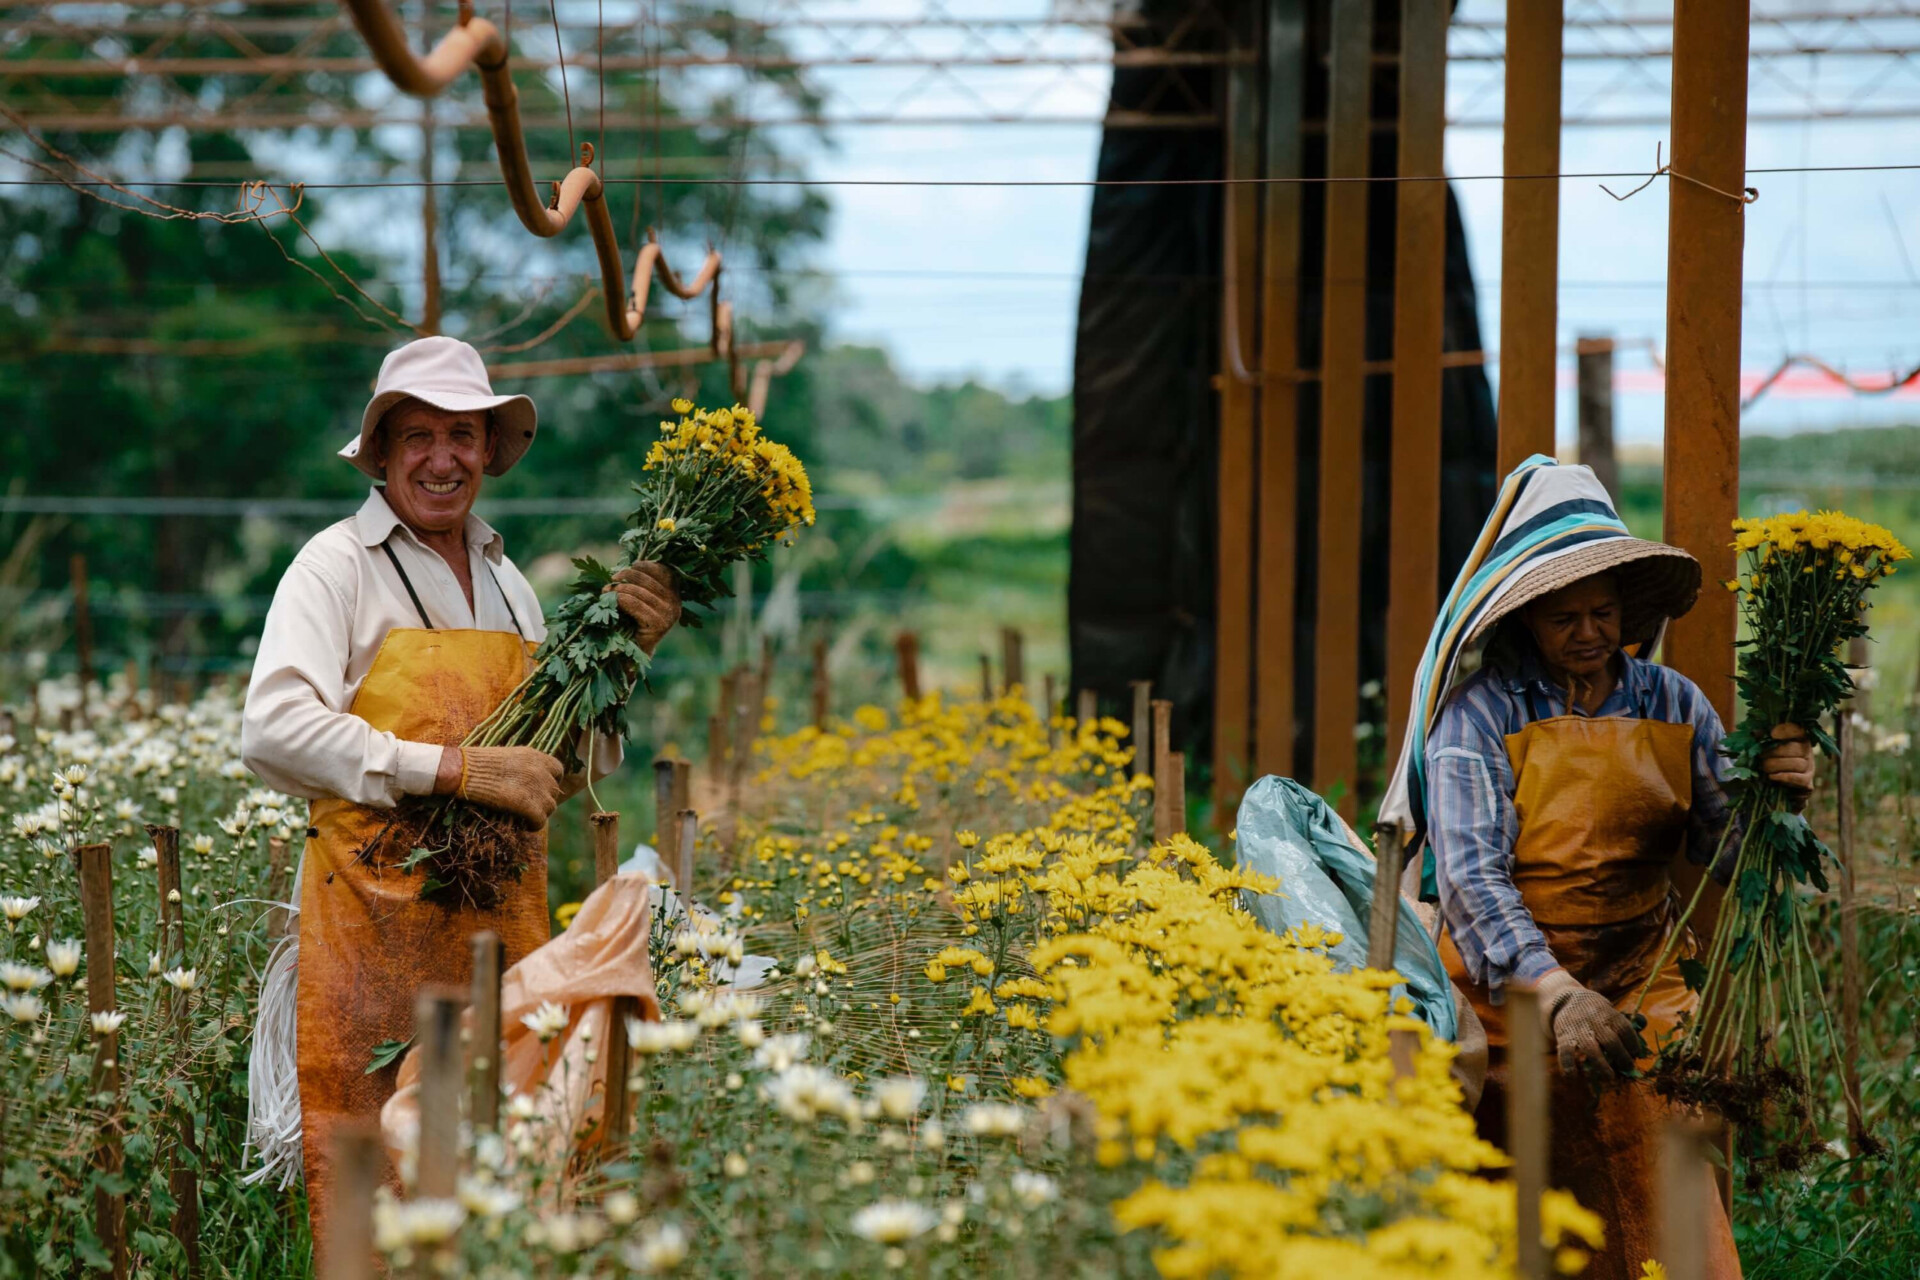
{"points": [[296, 732], [1472, 827]]}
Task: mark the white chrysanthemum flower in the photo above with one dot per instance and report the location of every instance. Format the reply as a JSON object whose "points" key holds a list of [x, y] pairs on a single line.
{"points": [[571, 1232], [398, 1225], [105, 1024], [805, 1092], [153, 964], [168, 795], [203, 844], [893, 1221], [147, 857], [64, 957], [1033, 1189], [900, 1097], [750, 1034], [621, 1208], [125, 811], [671, 1036], [26, 825], [735, 1165], [181, 979], [781, 1052], [17, 909], [23, 977], [548, 1021], [521, 1106], [74, 774], [660, 1250], [994, 1120], [23, 1008]]}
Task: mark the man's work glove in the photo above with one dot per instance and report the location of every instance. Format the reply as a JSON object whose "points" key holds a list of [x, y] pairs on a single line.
{"points": [[646, 594], [515, 780], [1788, 763], [1586, 1028]]}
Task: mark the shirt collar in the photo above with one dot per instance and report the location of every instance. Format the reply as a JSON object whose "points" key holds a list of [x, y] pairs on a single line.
{"points": [[1636, 675], [376, 522]]}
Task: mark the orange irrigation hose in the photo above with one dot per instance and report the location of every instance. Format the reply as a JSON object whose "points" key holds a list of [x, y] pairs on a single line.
{"points": [[477, 43]]}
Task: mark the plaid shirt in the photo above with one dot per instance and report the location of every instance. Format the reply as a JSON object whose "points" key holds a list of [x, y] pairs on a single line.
{"points": [[1471, 822]]}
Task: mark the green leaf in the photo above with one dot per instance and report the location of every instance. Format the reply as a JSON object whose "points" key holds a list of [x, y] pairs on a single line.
{"points": [[591, 568], [386, 1053], [1694, 974], [419, 855]]}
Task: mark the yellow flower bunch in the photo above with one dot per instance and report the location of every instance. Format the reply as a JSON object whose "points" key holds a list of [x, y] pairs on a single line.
{"points": [[734, 438], [1832, 539]]}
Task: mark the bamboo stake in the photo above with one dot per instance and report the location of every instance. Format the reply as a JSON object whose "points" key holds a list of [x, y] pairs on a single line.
{"points": [[683, 868], [1087, 710], [606, 846], [279, 888], [1527, 1123], [821, 690], [906, 647], [986, 678], [484, 1047], [663, 806], [357, 1160], [1683, 1185], [437, 1037], [1142, 726], [82, 627], [96, 904], [1013, 662]]}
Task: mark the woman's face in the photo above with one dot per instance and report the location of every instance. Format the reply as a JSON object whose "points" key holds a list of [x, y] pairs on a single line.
{"points": [[1577, 628]]}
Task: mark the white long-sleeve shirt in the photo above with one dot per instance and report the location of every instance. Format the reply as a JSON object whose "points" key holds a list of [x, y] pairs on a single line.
{"points": [[330, 613]]}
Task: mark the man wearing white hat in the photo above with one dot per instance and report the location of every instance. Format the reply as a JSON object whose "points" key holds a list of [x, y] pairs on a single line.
{"points": [[391, 635]]}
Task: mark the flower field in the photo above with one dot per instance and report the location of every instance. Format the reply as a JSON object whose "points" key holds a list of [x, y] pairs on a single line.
{"points": [[1000, 1036]]}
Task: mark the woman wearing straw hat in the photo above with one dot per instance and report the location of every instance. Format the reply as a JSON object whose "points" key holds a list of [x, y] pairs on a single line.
{"points": [[1561, 781]]}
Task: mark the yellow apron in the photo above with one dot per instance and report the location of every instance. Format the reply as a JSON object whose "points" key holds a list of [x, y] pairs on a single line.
{"points": [[1603, 809], [367, 943]]}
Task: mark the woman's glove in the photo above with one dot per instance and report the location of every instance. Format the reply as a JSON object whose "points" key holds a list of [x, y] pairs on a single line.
{"points": [[646, 594], [515, 780], [1586, 1028]]}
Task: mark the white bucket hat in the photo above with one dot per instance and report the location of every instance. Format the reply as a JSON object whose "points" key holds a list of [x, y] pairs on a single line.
{"points": [[447, 374]]}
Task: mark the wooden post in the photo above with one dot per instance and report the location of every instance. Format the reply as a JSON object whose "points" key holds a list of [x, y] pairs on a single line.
{"points": [[1142, 727], [358, 1157], [1684, 1183], [96, 905], [182, 1182], [429, 204], [729, 687], [1343, 327], [746, 725], [616, 1113], [606, 846], [1530, 232], [1384, 924], [1845, 839], [130, 674], [82, 627], [1086, 711], [437, 1038], [1528, 1122], [1237, 460], [1170, 796], [1013, 662], [483, 1108], [683, 867], [1593, 382], [766, 666], [682, 795], [716, 747], [1277, 504], [906, 648], [1705, 238], [986, 678], [1050, 707], [166, 849], [1162, 732], [663, 803], [279, 888], [822, 690], [1419, 305]]}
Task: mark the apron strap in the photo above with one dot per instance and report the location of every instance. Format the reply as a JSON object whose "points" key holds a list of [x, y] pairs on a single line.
{"points": [[412, 595], [511, 615]]}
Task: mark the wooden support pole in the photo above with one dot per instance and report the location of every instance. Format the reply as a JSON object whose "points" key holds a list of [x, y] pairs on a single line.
{"points": [[130, 674], [1013, 660], [279, 888], [429, 201], [716, 746], [729, 689], [906, 647], [166, 851], [606, 846], [1142, 727], [616, 1114], [358, 1158], [1086, 710], [1162, 733], [1169, 793], [683, 866], [1336, 657], [483, 1049], [822, 691], [1705, 238], [682, 795], [1685, 1180], [1530, 232], [96, 906], [1277, 505], [1528, 1121], [437, 1039], [1238, 459], [182, 1182], [986, 678], [1593, 385], [1383, 925], [1419, 324], [663, 803]]}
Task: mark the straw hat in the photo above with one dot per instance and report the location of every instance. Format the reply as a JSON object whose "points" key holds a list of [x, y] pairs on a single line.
{"points": [[447, 374], [1657, 584]]}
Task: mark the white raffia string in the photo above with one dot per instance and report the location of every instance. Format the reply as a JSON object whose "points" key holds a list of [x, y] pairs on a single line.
{"points": [[273, 1071]]}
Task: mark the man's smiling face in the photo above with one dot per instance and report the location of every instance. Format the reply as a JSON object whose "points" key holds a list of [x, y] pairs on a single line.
{"points": [[433, 459]]}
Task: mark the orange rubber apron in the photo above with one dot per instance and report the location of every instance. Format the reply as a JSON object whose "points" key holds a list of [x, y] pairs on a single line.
{"points": [[367, 943], [1603, 809]]}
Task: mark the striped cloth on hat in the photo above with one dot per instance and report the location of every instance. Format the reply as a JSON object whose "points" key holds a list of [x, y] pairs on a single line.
{"points": [[1544, 510]]}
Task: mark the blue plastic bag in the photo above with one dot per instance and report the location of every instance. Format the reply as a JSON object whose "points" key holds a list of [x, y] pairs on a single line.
{"points": [[1326, 878]]}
